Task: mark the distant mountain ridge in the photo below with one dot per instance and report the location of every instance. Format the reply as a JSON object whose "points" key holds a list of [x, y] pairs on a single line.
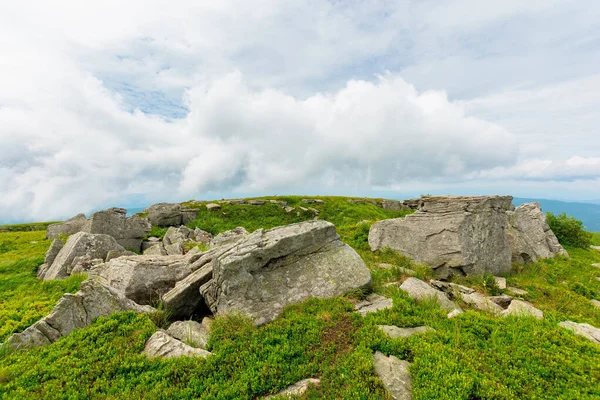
{"points": [[588, 213]]}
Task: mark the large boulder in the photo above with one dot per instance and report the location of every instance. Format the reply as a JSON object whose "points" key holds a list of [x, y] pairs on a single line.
{"points": [[78, 245], [68, 227], [128, 231], [167, 214], [144, 279], [529, 235], [267, 270], [464, 235], [74, 311]]}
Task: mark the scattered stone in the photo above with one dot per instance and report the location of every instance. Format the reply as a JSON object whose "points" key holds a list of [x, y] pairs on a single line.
{"points": [[68, 227], [83, 264], [268, 270], [303, 209], [256, 202], [396, 332], [586, 330], [74, 311], [419, 290], [312, 201], [373, 303], [213, 207], [595, 248], [80, 244], [530, 236], [441, 234], [164, 345], [228, 237], [596, 265], [298, 388], [190, 332], [500, 282], [395, 375], [502, 300], [481, 303], [128, 231], [522, 309], [517, 291]]}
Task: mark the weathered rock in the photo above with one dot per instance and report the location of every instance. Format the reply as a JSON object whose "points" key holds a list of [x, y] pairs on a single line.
{"points": [[128, 231], [517, 291], [163, 345], [529, 235], [53, 251], [157, 249], [313, 201], [455, 312], [586, 330], [83, 264], [395, 375], [297, 389], [68, 227], [166, 214], [419, 290], [190, 332], [80, 244], [453, 290], [464, 235], [149, 243], [373, 303], [143, 279], [201, 236], [116, 254], [42, 269], [596, 265], [393, 205], [228, 237], [256, 202], [502, 300], [74, 311], [185, 297], [268, 270], [188, 215], [522, 309], [175, 238], [213, 207], [481, 303], [396, 332], [288, 209], [500, 282]]}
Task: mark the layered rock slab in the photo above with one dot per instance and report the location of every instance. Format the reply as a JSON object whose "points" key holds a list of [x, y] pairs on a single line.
{"points": [[267, 270], [452, 234]]}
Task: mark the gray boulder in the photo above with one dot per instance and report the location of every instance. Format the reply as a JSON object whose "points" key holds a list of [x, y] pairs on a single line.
{"points": [[80, 244], [74, 311], [68, 227], [396, 332], [503, 300], [586, 330], [373, 303], [53, 251], [267, 270], [190, 332], [521, 308], [464, 235], [480, 302], [421, 291], [167, 214], [128, 231], [395, 375], [529, 235], [201, 236], [163, 345], [143, 279]]}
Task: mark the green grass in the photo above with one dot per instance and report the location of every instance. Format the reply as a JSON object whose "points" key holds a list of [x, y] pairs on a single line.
{"points": [[473, 356], [596, 238], [32, 226]]}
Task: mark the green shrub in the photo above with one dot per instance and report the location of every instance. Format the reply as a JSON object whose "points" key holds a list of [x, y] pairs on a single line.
{"points": [[569, 230]]}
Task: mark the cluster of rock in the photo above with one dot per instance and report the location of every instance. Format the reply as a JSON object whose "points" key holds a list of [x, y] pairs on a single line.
{"points": [[469, 235]]}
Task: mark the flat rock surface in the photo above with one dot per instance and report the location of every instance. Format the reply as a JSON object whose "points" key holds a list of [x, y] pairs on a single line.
{"points": [[373, 303], [394, 374], [396, 332]]}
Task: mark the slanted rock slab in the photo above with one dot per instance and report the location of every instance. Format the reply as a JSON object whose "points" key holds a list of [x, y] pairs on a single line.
{"points": [[297, 389], [373, 303], [397, 332], [522, 309], [586, 330], [419, 290], [163, 345], [500, 282], [184, 298], [68, 227], [395, 375]]}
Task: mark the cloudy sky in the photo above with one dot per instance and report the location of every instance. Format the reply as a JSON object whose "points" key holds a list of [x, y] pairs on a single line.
{"points": [[129, 103]]}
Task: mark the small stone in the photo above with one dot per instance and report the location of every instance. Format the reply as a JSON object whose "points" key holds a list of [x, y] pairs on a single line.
{"points": [[522, 309], [501, 282], [373, 303], [454, 313], [517, 291], [256, 202], [298, 388], [191, 333], [596, 265], [396, 332], [595, 303], [419, 290], [288, 209], [481, 303], [213, 207]]}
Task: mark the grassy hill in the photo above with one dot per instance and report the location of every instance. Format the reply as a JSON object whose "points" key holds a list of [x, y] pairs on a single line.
{"points": [[473, 356]]}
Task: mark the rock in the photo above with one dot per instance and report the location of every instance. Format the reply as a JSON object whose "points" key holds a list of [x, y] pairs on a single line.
{"points": [[228, 237], [184, 298], [42, 269], [256, 202], [53, 251], [464, 235], [163, 345], [500, 282], [190, 332], [586, 330], [529, 235], [393, 205], [297, 389], [595, 303], [517, 291], [413, 204], [502, 300], [201, 236], [175, 239], [373, 303], [419, 290], [149, 243], [396, 332], [74, 311], [68, 227], [268, 270], [595, 248], [156, 250], [522, 309], [596, 265], [482, 303], [453, 290], [80, 244], [143, 279], [128, 232], [166, 214], [395, 375], [455, 312], [83, 264], [213, 207], [116, 254], [312, 201], [288, 209], [188, 215]]}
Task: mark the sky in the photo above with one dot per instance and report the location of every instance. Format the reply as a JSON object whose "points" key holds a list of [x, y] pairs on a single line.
{"points": [[131, 103]]}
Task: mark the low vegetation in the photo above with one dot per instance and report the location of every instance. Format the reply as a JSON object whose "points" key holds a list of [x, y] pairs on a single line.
{"points": [[569, 230], [473, 356]]}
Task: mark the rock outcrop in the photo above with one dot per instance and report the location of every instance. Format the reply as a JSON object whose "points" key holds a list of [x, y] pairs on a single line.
{"points": [[68, 227], [529, 236], [74, 311], [465, 235], [394, 374], [267, 270], [166, 214], [79, 245], [128, 231]]}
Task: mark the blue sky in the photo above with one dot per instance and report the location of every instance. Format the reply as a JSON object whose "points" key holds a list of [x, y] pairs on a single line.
{"points": [[107, 103]]}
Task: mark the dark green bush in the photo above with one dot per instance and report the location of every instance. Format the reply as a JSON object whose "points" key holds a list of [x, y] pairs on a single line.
{"points": [[569, 230]]}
